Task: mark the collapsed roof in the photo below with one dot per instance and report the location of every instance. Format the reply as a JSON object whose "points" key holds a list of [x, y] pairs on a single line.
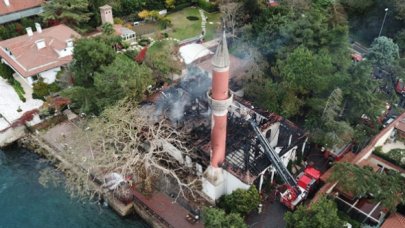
{"points": [[185, 105]]}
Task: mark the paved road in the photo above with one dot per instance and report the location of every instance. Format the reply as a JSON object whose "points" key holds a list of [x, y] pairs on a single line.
{"points": [[271, 217]]}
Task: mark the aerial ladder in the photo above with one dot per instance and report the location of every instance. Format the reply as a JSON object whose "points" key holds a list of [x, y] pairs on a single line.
{"points": [[293, 191]]}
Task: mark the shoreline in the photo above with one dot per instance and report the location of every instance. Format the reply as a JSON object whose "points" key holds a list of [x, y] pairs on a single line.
{"points": [[38, 146]]}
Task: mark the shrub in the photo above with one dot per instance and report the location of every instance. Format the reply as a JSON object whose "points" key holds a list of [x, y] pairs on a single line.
{"points": [[42, 89], [214, 217], [181, 6], [391, 156], [164, 23], [193, 18], [144, 42], [131, 53], [18, 89], [6, 72], [207, 6], [141, 56], [240, 201], [118, 21]]}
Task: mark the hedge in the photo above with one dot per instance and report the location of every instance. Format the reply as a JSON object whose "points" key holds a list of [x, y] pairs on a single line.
{"points": [[181, 6], [207, 6], [42, 89], [386, 156], [7, 73], [193, 18]]}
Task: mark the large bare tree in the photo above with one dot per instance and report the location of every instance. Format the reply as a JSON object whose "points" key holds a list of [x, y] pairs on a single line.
{"points": [[131, 142], [231, 11]]}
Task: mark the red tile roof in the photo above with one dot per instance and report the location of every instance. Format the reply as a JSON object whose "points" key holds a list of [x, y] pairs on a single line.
{"points": [[401, 126], [18, 5], [395, 220], [365, 152], [28, 60]]}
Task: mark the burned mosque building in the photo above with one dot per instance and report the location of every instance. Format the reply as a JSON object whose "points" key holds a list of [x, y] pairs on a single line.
{"points": [[227, 154]]}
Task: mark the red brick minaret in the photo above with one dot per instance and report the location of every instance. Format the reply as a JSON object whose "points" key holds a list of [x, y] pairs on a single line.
{"points": [[220, 98]]}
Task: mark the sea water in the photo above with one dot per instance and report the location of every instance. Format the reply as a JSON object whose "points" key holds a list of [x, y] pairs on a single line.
{"points": [[32, 194]]}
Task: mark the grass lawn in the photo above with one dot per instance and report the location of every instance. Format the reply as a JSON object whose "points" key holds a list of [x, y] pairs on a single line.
{"points": [[145, 28], [161, 45], [184, 28]]}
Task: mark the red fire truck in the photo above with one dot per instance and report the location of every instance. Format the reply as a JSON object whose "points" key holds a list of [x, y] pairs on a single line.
{"points": [[294, 190]]}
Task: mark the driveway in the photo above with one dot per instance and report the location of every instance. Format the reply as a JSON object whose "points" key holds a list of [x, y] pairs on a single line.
{"points": [[10, 102], [272, 216]]}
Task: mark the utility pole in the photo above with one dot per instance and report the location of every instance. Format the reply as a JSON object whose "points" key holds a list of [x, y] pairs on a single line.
{"points": [[382, 25]]}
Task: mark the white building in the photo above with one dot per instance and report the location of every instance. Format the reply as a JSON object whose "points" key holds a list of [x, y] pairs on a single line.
{"points": [[39, 54]]}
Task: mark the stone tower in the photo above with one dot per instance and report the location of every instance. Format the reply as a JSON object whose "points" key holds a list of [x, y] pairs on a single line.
{"points": [[106, 14]]}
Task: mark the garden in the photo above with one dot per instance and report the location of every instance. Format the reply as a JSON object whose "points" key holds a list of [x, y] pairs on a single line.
{"points": [[186, 23]]}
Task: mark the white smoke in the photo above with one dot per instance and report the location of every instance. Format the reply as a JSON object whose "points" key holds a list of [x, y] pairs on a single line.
{"points": [[174, 101]]}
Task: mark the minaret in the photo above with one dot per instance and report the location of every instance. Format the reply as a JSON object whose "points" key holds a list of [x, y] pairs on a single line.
{"points": [[220, 98]]}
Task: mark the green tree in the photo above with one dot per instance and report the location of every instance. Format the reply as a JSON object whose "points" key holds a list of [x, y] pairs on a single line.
{"points": [[304, 75], [400, 40], [383, 52], [122, 78], [359, 93], [399, 8], [84, 98], [322, 214], [216, 218], [42, 89], [353, 179], [95, 19], [358, 5], [241, 201], [280, 30], [266, 93], [107, 29], [70, 12], [389, 188], [161, 59], [170, 3], [89, 55], [330, 131]]}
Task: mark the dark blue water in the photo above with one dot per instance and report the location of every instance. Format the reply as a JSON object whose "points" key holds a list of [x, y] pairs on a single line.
{"points": [[25, 202]]}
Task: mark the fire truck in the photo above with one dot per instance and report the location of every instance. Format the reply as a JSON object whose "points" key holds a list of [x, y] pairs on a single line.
{"points": [[294, 190]]}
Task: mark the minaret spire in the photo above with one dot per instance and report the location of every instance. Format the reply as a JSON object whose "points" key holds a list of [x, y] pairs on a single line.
{"points": [[221, 57]]}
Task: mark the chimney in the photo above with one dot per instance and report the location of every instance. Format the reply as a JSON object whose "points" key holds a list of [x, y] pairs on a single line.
{"points": [[29, 31], [7, 2], [40, 44], [69, 43], [38, 27]]}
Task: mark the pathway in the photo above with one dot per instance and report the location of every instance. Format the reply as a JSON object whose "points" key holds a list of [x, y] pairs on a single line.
{"points": [[10, 104], [165, 209]]}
